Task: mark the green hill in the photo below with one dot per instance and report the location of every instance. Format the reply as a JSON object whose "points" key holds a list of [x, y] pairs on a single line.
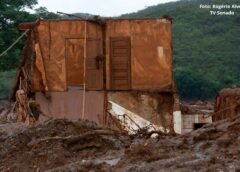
{"points": [[206, 47]]}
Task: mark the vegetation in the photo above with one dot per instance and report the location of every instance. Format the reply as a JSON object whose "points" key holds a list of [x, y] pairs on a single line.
{"points": [[206, 48], [6, 83], [12, 13]]}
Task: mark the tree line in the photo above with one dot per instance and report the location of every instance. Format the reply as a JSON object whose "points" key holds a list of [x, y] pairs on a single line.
{"points": [[12, 13]]}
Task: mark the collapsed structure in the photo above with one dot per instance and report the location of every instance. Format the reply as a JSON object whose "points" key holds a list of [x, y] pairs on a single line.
{"points": [[195, 115], [227, 104], [104, 70]]}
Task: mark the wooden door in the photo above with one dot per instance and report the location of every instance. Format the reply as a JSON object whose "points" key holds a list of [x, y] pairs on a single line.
{"points": [[74, 62], [120, 63], [94, 65]]}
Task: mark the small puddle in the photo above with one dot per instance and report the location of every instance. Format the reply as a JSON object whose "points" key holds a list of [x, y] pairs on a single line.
{"points": [[109, 161]]}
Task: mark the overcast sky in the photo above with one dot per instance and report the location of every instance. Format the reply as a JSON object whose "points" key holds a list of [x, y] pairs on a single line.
{"points": [[99, 7]]}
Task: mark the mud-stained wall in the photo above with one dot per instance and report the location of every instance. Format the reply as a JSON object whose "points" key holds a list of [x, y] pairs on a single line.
{"points": [[151, 51], [227, 104], [156, 108], [51, 37], [69, 104]]}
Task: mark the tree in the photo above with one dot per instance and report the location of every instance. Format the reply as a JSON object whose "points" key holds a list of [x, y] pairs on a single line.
{"points": [[11, 14], [42, 12], [193, 85]]}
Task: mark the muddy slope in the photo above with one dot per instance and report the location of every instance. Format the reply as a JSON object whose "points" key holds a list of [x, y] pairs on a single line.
{"points": [[57, 143], [62, 145], [215, 147]]}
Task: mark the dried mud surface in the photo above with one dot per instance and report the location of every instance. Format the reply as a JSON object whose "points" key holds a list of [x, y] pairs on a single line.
{"points": [[63, 145]]}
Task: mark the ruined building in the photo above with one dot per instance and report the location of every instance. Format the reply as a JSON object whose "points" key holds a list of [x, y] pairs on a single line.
{"points": [[104, 70], [227, 104]]}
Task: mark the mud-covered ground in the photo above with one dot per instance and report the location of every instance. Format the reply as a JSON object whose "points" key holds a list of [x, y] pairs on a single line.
{"points": [[63, 145]]}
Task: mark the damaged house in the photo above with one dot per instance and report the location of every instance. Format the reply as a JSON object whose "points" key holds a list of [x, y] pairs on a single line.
{"points": [[111, 71], [227, 104]]}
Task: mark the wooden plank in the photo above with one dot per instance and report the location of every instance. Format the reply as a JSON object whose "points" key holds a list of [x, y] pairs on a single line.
{"points": [[123, 51], [123, 66], [120, 74], [120, 44]]}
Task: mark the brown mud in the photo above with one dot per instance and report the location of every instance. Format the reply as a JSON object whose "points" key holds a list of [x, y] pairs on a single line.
{"points": [[64, 145]]}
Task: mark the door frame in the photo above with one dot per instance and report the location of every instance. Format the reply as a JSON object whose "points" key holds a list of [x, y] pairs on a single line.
{"points": [[66, 38]]}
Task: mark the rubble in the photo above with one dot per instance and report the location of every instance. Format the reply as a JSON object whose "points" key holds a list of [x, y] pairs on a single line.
{"points": [[64, 145], [215, 147], [6, 112], [198, 107], [55, 143]]}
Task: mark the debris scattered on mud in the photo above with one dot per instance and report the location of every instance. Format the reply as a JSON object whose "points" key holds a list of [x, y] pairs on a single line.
{"points": [[57, 143], [215, 147], [63, 145], [198, 107], [6, 112]]}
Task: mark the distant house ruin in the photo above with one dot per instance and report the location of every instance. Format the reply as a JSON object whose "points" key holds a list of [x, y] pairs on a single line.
{"points": [[227, 104], [194, 116], [103, 70]]}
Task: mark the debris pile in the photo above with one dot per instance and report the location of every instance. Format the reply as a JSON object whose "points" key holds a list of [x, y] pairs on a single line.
{"points": [[198, 107], [215, 147], [6, 112], [63, 145], [56, 144]]}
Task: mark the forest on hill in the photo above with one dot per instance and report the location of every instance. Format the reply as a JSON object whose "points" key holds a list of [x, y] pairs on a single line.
{"points": [[206, 47]]}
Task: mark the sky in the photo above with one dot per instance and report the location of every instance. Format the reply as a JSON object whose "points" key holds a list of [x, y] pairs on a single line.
{"points": [[99, 7]]}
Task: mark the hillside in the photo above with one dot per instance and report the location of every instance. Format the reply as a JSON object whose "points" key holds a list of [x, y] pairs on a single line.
{"points": [[206, 47]]}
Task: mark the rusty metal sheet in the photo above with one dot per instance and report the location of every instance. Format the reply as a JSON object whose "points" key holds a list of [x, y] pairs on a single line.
{"points": [[151, 52], [69, 104]]}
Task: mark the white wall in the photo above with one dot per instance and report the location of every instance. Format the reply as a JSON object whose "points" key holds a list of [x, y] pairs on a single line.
{"points": [[177, 122]]}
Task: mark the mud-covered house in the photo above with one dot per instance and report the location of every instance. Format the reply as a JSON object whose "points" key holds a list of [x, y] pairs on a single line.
{"points": [[227, 104], [104, 70]]}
